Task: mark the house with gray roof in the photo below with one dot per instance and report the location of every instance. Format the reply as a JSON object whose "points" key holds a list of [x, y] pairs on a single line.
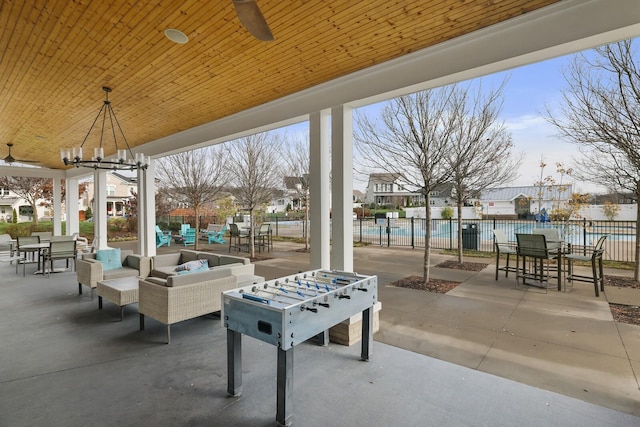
{"points": [[520, 202]]}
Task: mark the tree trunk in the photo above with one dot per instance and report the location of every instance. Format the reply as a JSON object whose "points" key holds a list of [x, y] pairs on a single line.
{"points": [[427, 240], [460, 246], [196, 209], [35, 213], [252, 248], [636, 267]]}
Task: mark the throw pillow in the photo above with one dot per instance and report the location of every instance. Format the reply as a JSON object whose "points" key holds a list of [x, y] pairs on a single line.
{"points": [[192, 265], [204, 267], [109, 258]]}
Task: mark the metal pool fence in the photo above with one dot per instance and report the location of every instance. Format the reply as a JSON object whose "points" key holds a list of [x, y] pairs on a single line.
{"points": [[478, 234]]}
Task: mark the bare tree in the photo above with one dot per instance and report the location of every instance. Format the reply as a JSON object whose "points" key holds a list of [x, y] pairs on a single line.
{"points": [[194, 177], [412, 142], [296, 156], [28, 188], [254, 163], [600, 112], [480, 154]]}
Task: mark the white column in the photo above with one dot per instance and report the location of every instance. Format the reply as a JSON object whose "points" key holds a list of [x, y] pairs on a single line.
{"points": [[100, 209], [142, 235], [71, 204], [342, 188], [148, 210], [320, 200], [57, 206]]}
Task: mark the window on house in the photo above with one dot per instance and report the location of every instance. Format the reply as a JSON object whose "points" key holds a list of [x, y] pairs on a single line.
{"points": [[111, 190], [434, 193], [432, 202], [376, 187]]}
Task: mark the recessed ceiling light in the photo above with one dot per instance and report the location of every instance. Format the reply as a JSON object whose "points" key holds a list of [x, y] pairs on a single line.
{"points": [[176, 36]]}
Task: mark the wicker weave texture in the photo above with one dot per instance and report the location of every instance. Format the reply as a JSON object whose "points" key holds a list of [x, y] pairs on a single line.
{"points": [[174, 304]]}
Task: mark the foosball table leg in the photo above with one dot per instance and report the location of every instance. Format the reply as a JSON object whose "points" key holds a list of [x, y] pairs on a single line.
{"points": [[284, 412], [234, 363], [323, 337], [367, 333]]}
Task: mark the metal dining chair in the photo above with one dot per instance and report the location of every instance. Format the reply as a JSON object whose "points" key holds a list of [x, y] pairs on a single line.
{"points": [[503, 246], [595, 259], [534, 247], [60, 249]]}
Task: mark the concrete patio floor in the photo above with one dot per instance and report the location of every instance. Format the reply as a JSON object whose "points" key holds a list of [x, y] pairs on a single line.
{"points": [[483, 354]]}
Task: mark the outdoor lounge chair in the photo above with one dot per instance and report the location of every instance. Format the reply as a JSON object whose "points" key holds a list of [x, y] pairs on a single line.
{"points": [[162, 238], [217, 236]]}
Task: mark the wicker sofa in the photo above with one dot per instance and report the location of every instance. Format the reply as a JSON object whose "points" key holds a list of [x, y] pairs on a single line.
{"points": [[170, 297], [183, 297], [90, 270], [165, 265]]}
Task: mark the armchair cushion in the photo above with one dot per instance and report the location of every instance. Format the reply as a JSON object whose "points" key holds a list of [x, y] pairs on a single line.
{"points": [[109, 258]]}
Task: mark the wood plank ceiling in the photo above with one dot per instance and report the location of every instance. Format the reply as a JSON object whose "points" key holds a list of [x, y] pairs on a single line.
{"points": [[56, 55]]}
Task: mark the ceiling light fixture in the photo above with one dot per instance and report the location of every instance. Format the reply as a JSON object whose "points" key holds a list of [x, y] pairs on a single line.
{"points": [[74, 156], [176, 36]]}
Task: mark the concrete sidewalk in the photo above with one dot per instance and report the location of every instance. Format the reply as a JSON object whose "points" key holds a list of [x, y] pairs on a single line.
{"points": [[566, 342], [67, 363]]}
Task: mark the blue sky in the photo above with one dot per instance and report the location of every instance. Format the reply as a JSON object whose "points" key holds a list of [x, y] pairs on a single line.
{"points": [[528, 90]]}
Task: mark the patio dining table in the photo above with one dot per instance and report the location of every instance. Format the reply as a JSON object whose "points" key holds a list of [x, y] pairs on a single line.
{"points": [[41, 249]]}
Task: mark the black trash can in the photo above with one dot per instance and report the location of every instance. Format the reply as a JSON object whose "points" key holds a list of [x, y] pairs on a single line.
{"points": [[470, 236]]}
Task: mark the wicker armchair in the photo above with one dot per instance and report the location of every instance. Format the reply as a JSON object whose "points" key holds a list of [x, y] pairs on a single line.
{"points": [[90, 270]]}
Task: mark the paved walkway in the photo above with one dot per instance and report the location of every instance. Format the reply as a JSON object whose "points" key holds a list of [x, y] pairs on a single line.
{"points": [[517, 357], [565, 342]]}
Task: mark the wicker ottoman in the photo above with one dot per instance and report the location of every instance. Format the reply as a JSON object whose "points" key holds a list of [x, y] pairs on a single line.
{"points": [[121, 291]]}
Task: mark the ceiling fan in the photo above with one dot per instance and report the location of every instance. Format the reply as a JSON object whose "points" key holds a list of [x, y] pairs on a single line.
{"points": [[252, 19], [10, 159]]}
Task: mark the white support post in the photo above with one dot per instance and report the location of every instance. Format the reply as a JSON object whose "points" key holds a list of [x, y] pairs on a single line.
{"points": [[100, 209], [342, 188], [71, 204], [141, 219], [319, 189], [57, 206], [147, 209]]}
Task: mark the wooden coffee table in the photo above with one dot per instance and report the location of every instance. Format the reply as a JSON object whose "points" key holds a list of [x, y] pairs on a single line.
{"points": [[123, 291]]}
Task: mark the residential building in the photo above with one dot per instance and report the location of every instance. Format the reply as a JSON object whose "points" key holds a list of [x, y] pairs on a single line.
{"points": [[523, 202], [391, 189]]}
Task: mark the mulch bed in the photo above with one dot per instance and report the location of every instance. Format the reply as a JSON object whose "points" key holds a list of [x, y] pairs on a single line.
{"points": [[625, 313], [621, 282], [466, 266], [629, 314], [437, 286]]}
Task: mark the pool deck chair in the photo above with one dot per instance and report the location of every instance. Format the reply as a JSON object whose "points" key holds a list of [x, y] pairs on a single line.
{"points": [[162, 238], [217, 236]]}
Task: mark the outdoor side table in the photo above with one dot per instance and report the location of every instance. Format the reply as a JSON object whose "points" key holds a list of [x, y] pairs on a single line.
{"points": [[122, 291]]}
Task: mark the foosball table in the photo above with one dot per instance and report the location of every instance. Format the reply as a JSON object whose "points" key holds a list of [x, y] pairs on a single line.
{"points": [[287, 311]]}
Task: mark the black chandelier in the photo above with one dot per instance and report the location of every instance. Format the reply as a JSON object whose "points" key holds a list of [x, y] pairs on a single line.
{"points": [[123, 160]]}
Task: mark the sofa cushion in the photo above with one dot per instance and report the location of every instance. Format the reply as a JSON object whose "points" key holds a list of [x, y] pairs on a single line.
{"points": [[214, 259], [187, 255], [199, 277], [119, 273], [192, 265], [228, 259], [110, 258]]}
